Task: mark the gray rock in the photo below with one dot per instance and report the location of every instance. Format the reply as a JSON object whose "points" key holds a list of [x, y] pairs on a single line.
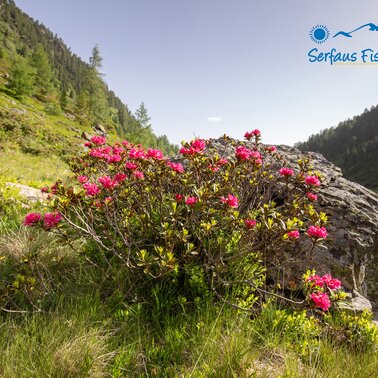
{"points": [[99, 129], [32, 194], [86, 136]]}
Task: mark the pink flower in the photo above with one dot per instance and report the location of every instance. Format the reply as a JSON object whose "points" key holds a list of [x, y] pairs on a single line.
{"points": [[155, 154], [131, 166], [271, 148], [114, 158], [312, 197], [108, 199], [99, 140], [45, 189], [242, 153], [125, 143], [332, 283], [191, 201], [31, 219], [117, 150], [312, 180], [179, 197], [51, 220], [107, 182], [222, 161], [254, 133], [213, 168], [316, 280], [91, 189], [120, 177], [293, 235], [177, 167], [198, 144], [82, 179], [138, 175], [250, 223], [317, 232], [321, 300], [231, 201], [87, 144], [286, 172], [137, 153]]}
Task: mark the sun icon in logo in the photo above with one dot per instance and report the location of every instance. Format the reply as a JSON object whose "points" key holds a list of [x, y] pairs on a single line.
{"points": [[319, 33]]}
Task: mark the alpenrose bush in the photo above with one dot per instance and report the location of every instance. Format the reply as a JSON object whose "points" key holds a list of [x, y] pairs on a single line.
{"points": [[217, 215]]}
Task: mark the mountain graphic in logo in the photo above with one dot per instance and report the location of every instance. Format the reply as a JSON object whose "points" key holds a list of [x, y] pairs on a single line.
{"points": [[371, 26]]}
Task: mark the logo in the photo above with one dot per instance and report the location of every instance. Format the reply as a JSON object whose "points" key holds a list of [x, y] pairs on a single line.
{"points": [[320, 34]]}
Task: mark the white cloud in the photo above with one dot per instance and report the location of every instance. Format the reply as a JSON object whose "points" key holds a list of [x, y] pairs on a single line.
{"points": [[214, 119]]}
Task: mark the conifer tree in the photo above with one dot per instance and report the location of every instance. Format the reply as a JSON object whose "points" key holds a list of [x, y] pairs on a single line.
{"points": [[21, 78], [44, 74]]}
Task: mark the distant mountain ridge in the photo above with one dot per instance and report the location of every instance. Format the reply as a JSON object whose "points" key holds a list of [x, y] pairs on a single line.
{"points": [[352, 146]]}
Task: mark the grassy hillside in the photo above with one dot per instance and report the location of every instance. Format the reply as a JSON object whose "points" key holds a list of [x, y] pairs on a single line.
{"points": [[352, 146]]}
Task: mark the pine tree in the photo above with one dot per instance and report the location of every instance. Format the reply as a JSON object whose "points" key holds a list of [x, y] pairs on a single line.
{"points": [[44, 75], [21, 78]]}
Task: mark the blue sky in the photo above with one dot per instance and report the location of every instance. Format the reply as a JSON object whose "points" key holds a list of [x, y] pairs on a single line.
{"points": [[209, 67]]}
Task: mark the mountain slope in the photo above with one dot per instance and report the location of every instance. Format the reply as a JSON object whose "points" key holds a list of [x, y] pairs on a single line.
{"points": [[49, 96], [352, 145]]}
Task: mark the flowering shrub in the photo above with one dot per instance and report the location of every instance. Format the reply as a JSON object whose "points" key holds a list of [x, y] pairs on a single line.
{"points": [[322, 292], [229, 216]]}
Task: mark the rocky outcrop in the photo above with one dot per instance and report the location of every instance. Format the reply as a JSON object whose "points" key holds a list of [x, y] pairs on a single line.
{"points": [[351, 252], [31, 194]]}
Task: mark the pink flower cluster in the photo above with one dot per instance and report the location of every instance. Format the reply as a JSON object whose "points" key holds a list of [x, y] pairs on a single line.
{"points": [[137, 154], [250, 223], [286, 172], [196, 146], [177, 167], [243, 153], [250, 134], [31, 219], [154, 154], [91, 189], [321, 300], [271, 148], [312, 197], [230, 200], [312, 180], [191, 201], [99, 140], [293, 235], [317, 232], [327, 279], [107, 182], [50, 220]]}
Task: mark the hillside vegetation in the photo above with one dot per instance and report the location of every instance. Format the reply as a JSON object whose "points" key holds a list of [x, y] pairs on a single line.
{"points": [[352, 146], [50, 96]]}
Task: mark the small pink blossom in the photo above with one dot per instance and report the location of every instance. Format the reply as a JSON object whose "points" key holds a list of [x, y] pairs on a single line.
{"points": [[332, 283], [177, 167], [125, 143], [119, 177], [317, 232], [231, 201], [250, 134], [213, 167], [191, 201], [271, 148], [45, 189], [108, 199], [51, 220], [117, 150], [137, 153], [198, 144], [312, 197], [82, 179], [242, 153], [312, 180], [99, 140], [250, 223], [222, 161], [114, 158], [293, 235], [138, 175], [31, 219], [91, 189], [321, 300], [87, 144], [131, 166], [155, 154], [179, 197], [107, 182], [286, 172], [315, 280]]}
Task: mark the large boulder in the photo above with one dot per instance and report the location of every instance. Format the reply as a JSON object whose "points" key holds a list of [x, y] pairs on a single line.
{"points": [[351, 252]]}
